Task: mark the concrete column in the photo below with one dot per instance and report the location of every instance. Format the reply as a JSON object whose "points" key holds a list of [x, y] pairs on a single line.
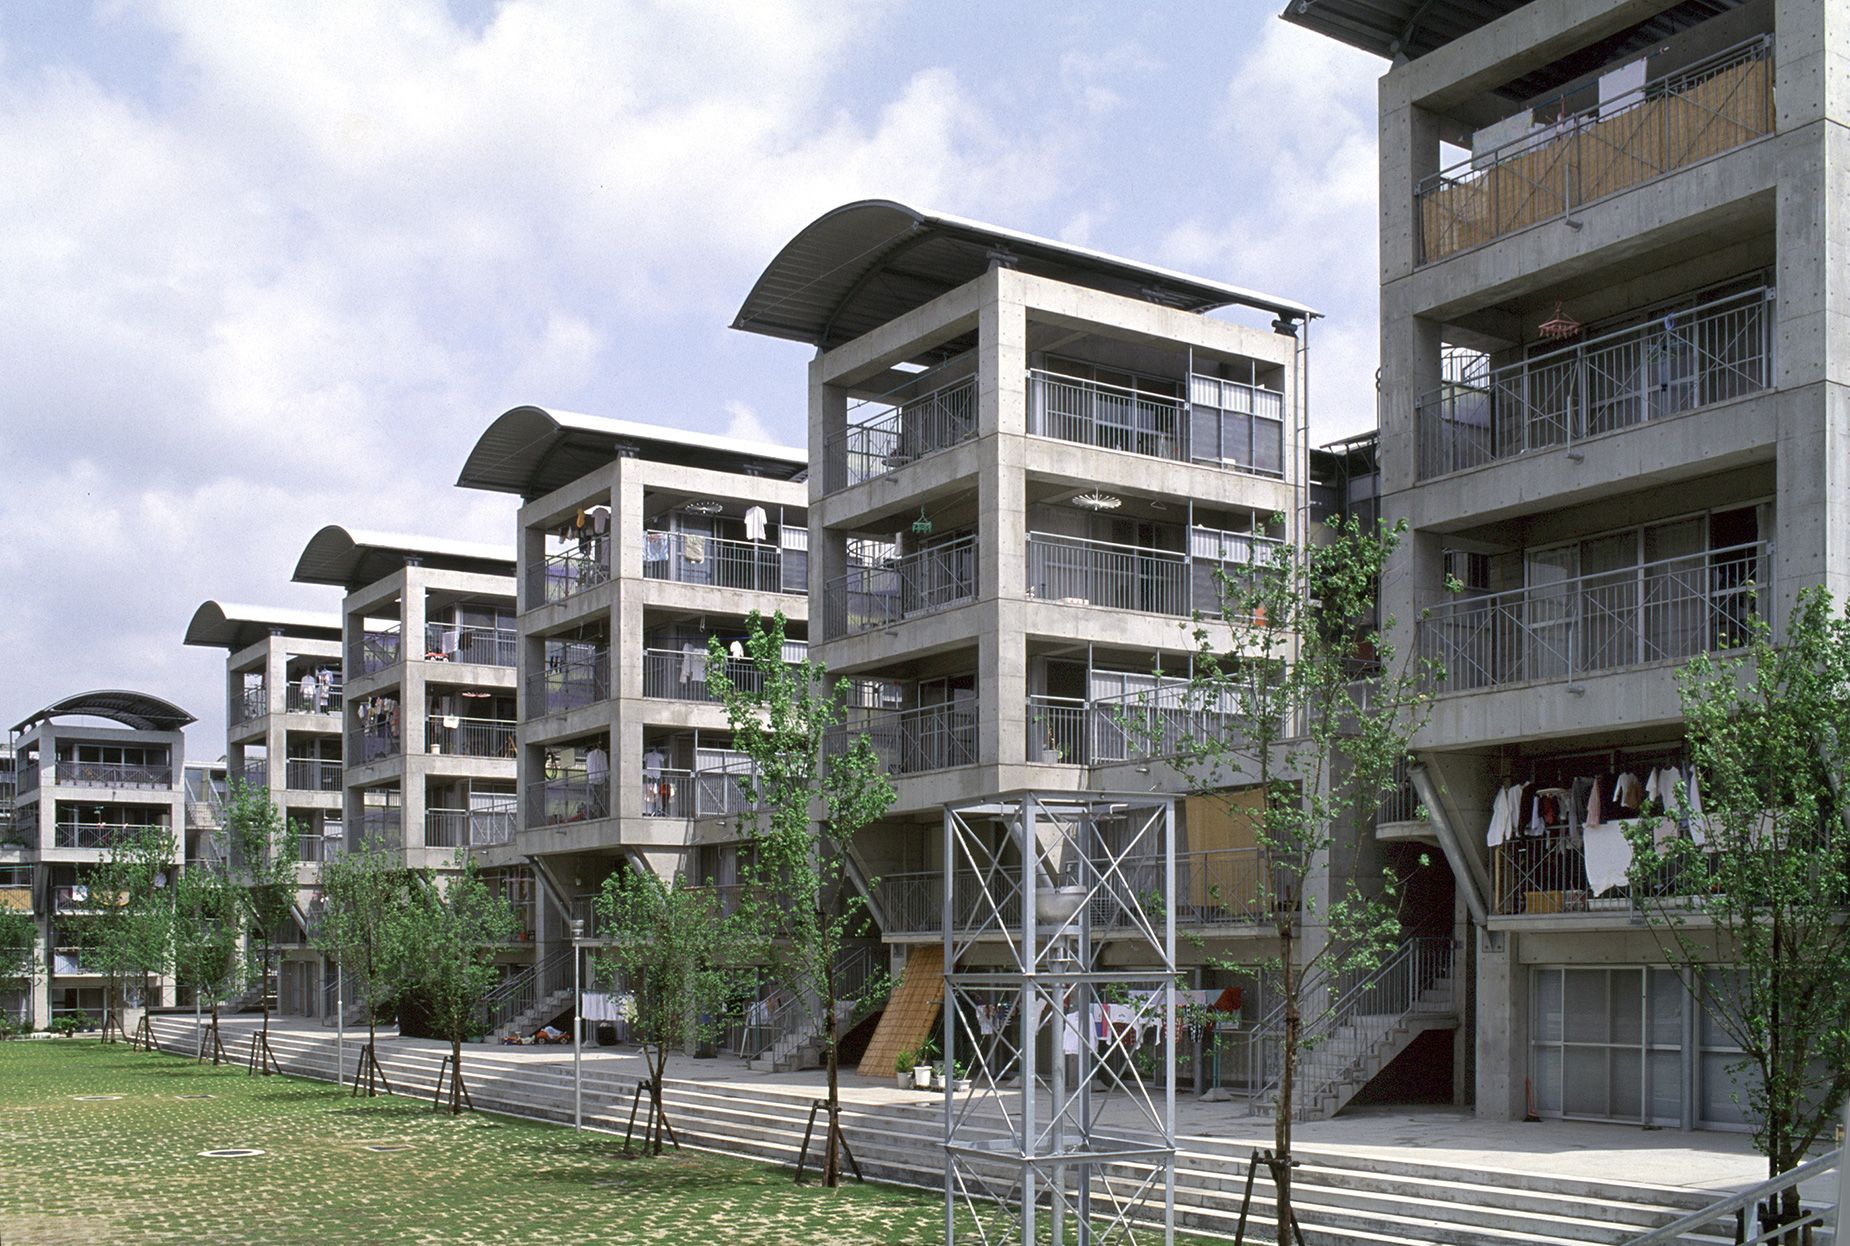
{"points": [[412, 703], [1409, 144], [828, 551], [1502, 1028]]}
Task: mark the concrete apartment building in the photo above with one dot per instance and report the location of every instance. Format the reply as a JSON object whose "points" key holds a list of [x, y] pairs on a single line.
{"points": [[1612, 408], [88, 768], [1026, 461], [283, 686], [636, 544]]}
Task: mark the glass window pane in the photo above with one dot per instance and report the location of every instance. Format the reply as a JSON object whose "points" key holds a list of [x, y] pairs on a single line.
{"points": [[1546, 1024], [1721, 1088], [1269, 445], [1548, 1080], [1627, 995], [1584, 1077], [1666, 1086], [1667, 999], [1718, 985], [1584, 1005], [1627, 1080]]}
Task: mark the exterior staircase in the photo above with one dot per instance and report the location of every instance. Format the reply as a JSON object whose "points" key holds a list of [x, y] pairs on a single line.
{"points": [[529, 998], [792, 1039], [1355, 1028]]}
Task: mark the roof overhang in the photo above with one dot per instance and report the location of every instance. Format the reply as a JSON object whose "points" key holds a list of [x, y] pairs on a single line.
{"points": [[865, 264], [138, 711], [228, 625], [1396, 29], [352, 558], [531, 451]]}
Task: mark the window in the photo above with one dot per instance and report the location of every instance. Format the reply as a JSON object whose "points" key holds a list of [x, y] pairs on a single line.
{"points": [[1236, 425]]}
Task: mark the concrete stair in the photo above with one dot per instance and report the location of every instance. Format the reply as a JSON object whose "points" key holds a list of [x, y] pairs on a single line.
{"points": [[542, 1011], [1332, 1074], [1342, 1199]]}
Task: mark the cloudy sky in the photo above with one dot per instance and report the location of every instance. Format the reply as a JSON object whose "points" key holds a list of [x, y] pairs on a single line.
{"points": [[275, 265]]}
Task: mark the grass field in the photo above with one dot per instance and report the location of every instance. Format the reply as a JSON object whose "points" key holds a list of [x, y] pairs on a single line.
{"points": [[128, 1170]]}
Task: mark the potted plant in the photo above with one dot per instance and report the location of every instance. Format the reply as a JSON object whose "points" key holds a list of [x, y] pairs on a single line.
{"points": [[903, 1064], [922, 1071], [960, 1074]]}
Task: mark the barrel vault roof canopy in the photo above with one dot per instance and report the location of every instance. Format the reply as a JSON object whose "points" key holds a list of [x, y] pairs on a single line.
{"points": [[353, 558], [864, 264], [1409, 29], [139, 711], [533, 450], [228, 625]]}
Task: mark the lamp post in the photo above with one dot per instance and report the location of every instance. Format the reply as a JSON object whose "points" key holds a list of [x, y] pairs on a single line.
{"points": [[578, 1027], [340, 1026]]}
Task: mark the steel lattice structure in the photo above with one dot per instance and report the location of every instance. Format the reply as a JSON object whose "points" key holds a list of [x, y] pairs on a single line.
{"points": [[1066, 1132]]}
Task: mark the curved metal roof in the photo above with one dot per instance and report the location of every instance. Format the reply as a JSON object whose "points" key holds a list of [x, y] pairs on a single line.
{"points": [[353, 557], [139, 711], [534, 450], [228, 625], [864, 264]]}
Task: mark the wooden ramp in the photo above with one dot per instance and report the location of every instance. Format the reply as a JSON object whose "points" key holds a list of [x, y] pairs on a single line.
{"points": [[911, 1012]]}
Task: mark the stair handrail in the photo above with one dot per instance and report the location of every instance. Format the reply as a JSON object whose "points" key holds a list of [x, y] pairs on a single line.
{"points": [[1423, 959], [1740, 1203], [792, 1017], [498, 1007]]}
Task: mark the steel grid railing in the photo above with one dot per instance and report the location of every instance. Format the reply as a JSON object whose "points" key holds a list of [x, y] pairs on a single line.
{"points": [[1669, 365], [568, 573], [470, 828], [381, 829], [312, 774], [1107, 416], [523, 990], [569, 684], [370, 744], [470, 644], [1076, 571], [1701, 111], [673, 675], [249, 705], [108, 774], [912, 741], [323, 701], [96, 834], [902, 433], [691, 558], [380, 649], [928, 579], [561, 801], [1660, 611], [1533, 876], [470, 737]]}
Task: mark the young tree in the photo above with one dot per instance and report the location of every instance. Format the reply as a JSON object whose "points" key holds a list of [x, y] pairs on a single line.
{"points": [[129, 931], [19, 956], [443, 943], [1297, 695], [680, 960], [1751, 905], [263, 859], [208, 943], [362, 893], [793, 727]]}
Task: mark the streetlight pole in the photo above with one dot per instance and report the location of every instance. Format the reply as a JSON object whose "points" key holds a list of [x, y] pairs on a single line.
{"points": [[340, 1026], [578, 1027]]}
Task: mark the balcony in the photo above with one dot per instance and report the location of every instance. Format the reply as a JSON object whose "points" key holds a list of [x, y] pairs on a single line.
{"points": [[873, 445], [933, 578], [749, 566], [1668, 366], [1143, 725], [568, 573], [249, 705], [1547, 875], [109, 774], [682, 676], [1657, 612], [312, 774], [28, 780], [568, 684], [254, 774], [323, 700], [470, 828], [99, 835], [917, 740], [381, 829], [563, 801], [374, 743], [1215, 889], [455, 736], [474, 646], [1704, 110], [379, 650], [1226, 424], [69, 962]]}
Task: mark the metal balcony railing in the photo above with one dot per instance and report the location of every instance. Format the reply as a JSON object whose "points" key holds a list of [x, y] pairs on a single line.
{"points": [[1058, 729], [455, 736], [27, 779], [1403, 804], [1541, 875], [925, 580], [470, 828], [1107, 416], [568, 799], [249, 705], [690, 558], [1656, 612], [312, 774], [322, 701], [569, 685], [1152, 723], [873, 445], [682, 676], [381, 829], [1700, 111], [476, 646], [370, 744], [912, 741], [110, 774], [96, 834], [255, 774], [568, 573], [1081, 572], [380, 649], [1669, 365]]}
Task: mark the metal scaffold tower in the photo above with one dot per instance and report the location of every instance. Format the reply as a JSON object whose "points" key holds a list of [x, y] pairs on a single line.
{"points": [[1060, 1008]]}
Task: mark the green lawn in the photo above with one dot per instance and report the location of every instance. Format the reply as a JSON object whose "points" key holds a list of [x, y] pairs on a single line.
{"points": [[129, 1170]]}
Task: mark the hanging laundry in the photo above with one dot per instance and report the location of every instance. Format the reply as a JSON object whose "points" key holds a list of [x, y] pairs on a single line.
{"points": [[693, 548], [655, 547], [693, 663], [1608, 856], [754, 523], [1626, 792], [1595, 815]]}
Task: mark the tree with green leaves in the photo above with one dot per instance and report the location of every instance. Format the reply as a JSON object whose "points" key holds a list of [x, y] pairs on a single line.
{"points": [[444, 940], [679, 960], [264, 847], [1748, 898], [128, 932], [362, 893], [208, 944], [19, 958], [814, 786], [1296, 695]]}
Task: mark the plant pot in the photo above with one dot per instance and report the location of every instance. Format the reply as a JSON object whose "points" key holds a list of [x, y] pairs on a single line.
{"points": [[937, 1079], [1050, 757], [904, 1079], [921, 1078]]}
